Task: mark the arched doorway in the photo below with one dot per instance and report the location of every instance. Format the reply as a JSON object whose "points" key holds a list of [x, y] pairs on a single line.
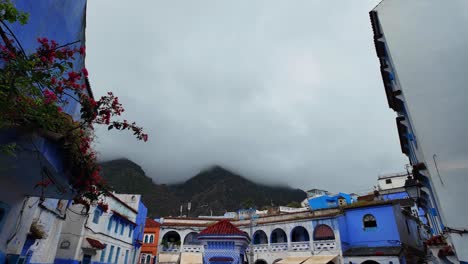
{"points": [[260, 261], [170, 241], [260, 237], [299, 234], [323, 232], [370, 262], [191, 239], [278, 236]]}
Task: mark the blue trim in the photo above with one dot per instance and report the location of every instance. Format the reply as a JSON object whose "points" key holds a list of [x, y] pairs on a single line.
{"points": [[66, 261], [2, 257]]}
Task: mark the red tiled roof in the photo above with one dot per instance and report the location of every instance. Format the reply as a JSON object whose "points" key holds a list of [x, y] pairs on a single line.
{"points": [[223, 227], [95, 243], [151, 223]]}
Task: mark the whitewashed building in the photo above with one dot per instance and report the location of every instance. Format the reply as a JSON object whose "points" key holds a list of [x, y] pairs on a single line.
{"points": [[421, 48], [31, 233], [100, 235]]}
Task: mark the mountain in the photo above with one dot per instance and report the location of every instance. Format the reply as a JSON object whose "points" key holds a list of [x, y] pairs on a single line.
{"points": [[214, 190], [125, 176]]}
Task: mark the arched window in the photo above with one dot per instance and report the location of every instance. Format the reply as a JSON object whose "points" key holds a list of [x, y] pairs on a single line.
{"points": [[323, 232], [299, 234], [260, 237], [278, 236], [151, 239], [146, 239], [369, 221], [148, 258]]}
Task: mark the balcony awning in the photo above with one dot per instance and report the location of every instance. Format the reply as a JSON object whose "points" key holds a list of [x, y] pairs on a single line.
{"points": [[191, 258], [293, 260], [320, 259], [168, 258], [91, 243]]}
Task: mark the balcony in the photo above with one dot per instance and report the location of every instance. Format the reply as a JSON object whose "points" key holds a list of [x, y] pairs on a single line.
{"points": [[192, 248], [171, 248], [325, 245], [279, 247], [300, 246], [261, 248]]}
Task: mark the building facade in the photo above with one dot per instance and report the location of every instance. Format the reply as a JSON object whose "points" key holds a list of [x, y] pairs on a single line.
{"points": [[333, 235], [421, 54], [37, 156], [149, 249], [100, 235]]}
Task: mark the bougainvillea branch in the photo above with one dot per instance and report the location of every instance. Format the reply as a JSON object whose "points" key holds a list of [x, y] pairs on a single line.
{"points": [[35, 87]]}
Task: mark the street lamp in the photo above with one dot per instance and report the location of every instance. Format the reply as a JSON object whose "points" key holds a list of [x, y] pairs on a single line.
{"points": [[413, 188]]}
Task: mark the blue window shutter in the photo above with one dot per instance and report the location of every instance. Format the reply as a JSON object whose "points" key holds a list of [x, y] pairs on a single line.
{"points": [[109, 226]]}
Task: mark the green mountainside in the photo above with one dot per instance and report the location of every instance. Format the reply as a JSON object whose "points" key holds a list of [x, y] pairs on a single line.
{"points": [[215, 190]]}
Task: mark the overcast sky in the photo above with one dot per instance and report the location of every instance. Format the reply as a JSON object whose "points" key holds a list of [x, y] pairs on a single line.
{"points": [[279, 91]]}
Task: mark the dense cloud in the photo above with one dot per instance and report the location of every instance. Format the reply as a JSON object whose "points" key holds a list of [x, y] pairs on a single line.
{"points": [[279, 91]]}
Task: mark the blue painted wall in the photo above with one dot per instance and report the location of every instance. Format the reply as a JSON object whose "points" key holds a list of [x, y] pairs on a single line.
{"points": [[66, 261], [62, 21], [395, 196], [352, 230], [328, 201], [140, 221]]}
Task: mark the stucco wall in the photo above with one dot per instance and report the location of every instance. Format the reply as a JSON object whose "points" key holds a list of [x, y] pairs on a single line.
{"points": [[385, 234]]}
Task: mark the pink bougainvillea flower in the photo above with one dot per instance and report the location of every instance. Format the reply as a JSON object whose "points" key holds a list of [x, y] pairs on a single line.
{"points": [[85, 72]]}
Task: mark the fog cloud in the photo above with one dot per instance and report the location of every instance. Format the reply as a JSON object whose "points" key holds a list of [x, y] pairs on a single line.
{"points": [[284, 92]]}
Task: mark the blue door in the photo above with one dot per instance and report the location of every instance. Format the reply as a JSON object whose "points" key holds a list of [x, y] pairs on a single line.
{"points": [[86, 259]]}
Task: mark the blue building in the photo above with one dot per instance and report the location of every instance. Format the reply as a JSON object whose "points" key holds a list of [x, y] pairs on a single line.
{"points": [[379, 231], [224, 243], [429, 100], [330, 201], [37, 156], [139, 230]]}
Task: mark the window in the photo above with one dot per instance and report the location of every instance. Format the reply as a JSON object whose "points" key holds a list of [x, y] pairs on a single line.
{"points": [[103, 255], [146, 239], [97, 214], [341, 201], [130, 231], [111, 252], [148, 259], [369, 221], [122, 229], [3, 213], [109, 226], [117, 255], [126, 256], [151, 239], [116, 227], [407, 226], [388, 181]]}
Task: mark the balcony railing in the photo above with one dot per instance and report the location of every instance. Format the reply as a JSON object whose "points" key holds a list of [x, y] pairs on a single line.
{"points": [[192, 248], [316, 246], [278, 247], [171, 248], [325, 245], [300, 246], [261, 248]]}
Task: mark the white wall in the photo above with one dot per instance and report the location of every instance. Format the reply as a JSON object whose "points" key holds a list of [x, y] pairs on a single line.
{"points": [[395, 182], [427, 42], [80, 226]]}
